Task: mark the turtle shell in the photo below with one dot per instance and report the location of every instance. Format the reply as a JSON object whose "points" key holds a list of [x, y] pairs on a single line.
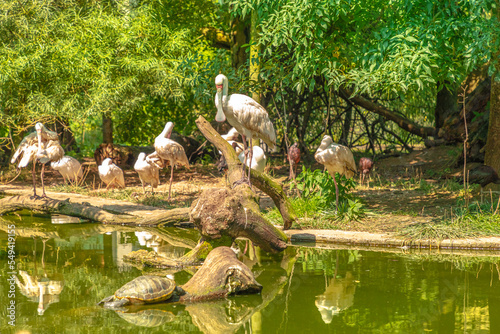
{"points": [[147, 289]]}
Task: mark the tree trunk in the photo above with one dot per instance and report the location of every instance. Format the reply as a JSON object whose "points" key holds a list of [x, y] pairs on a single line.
{"points": [[239, 38], [107, 129], [446, 104], [492, 150]]}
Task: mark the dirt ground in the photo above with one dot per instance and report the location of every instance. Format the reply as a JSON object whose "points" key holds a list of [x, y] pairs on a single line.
{"points": [[389, 208]]}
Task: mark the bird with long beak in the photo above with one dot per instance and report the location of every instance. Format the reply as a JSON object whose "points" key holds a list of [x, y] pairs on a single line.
{"points": [[168, 150], [41, 145], [249, 118]]}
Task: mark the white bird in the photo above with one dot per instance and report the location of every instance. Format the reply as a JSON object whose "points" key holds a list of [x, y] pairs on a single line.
{"points": [[69, 167], [169, 150], [232, 135], [258, 161], [42, 145], [111, 174], [249, 118], [337, 159], [148, 172]]}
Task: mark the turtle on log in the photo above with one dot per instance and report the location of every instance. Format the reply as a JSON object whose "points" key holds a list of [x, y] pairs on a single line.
{"points": [[145, 289]]}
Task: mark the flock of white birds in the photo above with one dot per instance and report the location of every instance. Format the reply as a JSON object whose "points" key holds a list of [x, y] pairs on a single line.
{"points": [[248, 118]]}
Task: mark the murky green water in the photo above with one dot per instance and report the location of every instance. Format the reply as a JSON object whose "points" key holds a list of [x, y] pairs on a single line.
{"points": [[65, 269]]}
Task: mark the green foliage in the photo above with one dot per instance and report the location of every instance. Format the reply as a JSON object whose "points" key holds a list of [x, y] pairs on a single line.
{"points": [[318, 194], [132, 60]]}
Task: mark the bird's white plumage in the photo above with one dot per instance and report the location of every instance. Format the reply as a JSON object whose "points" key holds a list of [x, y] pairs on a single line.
{"points": [[148, 172], [232, 135], [247, 116], [111, 174], [259, 159], [42, 145], [169, 150], [335, 157], [69, 168]]}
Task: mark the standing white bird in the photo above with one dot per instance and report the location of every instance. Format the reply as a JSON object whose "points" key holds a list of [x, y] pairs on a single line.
{"points": [[249, 118], [337, 159], [148, 172], [42, 145], [69, 167], [258, 161], [232, 135], [169, 150], [111, 174]]}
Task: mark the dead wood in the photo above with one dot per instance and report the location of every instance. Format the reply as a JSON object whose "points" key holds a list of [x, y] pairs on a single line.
{"points": [[221, 274], [88, 211], [222, 215], [259, 180]]}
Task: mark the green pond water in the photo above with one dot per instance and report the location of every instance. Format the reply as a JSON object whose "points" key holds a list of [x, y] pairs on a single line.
{"points": [[64, 269]]}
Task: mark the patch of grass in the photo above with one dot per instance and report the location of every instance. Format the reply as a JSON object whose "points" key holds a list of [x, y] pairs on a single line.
{"points": [[475, 221]]}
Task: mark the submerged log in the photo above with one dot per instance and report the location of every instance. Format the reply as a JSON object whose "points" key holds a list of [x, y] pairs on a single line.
{"points": [[221, 275]]}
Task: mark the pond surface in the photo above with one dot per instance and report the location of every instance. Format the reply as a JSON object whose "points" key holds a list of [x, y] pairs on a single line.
{"points": [[63, 269]]}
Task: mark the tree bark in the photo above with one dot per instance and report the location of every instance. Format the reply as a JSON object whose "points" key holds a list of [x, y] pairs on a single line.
{"points": [[492, 149], [87, 211], [217, 38], [446, 104], [222, 274], [261, 181], [239, 31], [107, 129]]}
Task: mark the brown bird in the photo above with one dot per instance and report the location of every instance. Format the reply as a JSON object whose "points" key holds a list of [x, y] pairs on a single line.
{"points": [[42, 146], [365, 166], [169, 150], [294, 159]]}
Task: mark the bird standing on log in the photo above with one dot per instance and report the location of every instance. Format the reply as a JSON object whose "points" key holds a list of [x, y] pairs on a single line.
{"points": [[293, 159], [148, 172], [365, 166], [43, 146], [168, 150], [249, 118], [111, 174], [337, 159]]}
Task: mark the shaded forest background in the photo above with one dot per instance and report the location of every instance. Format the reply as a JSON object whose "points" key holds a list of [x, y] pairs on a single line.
{"points": [[380, 76]]}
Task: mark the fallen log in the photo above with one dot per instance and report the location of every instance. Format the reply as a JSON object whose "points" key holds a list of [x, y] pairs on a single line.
{"points": [[222, 215], [221, 275], [88, 211]]}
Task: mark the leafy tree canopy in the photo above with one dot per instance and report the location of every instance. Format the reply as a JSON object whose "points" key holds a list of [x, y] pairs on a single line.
{"points": [[375, 47]]}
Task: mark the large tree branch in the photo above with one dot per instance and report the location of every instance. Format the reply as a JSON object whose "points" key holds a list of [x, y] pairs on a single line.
{"points": [[402, 122], [217, 38]]}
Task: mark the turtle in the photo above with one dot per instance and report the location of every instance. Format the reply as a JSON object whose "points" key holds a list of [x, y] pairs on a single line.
{"points": [[145, 289]]}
